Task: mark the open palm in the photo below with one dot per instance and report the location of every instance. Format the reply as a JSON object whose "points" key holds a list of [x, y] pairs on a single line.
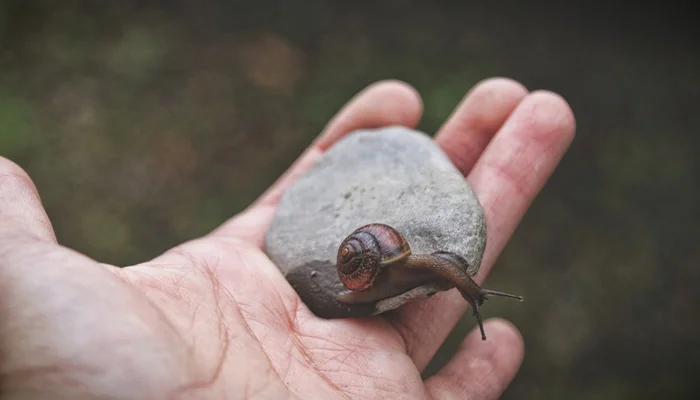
{"points": [[214, 318]]}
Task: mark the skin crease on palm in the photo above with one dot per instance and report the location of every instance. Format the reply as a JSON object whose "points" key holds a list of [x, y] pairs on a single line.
{"points": [[213, 318]]}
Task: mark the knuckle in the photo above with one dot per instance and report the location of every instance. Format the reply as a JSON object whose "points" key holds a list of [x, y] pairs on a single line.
{"points": [[513, 175]]}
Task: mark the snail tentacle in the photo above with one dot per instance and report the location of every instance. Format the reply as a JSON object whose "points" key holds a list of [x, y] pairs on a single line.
{"points": [[376, 260]]}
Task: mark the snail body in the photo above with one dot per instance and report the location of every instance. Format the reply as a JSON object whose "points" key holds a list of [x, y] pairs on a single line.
{"points": [[375, 262]]}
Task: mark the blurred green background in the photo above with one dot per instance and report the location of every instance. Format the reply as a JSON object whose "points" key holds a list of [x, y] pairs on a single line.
{"points": [[147, 123]]}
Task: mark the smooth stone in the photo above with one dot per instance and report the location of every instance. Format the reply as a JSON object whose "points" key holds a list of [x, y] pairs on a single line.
{"points": [[394, 175]]}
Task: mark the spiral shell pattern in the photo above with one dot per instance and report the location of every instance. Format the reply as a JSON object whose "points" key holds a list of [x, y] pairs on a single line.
{"points": [[363, 254]]}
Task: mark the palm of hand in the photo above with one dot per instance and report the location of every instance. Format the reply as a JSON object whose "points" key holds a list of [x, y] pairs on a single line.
{"points": [[214, 318]]}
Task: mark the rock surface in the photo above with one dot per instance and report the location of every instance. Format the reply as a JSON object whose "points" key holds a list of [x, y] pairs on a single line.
{"points": [[393, 175]]}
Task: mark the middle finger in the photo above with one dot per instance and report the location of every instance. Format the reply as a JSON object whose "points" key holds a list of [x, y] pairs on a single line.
{"points": [[506, 178], [478, 117]]}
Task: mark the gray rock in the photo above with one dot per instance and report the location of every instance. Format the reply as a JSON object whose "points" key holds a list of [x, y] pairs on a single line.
{"points": [[394, 176]]}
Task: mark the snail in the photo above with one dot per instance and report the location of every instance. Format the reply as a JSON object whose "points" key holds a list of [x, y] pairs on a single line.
{"points": [[375, 262]]}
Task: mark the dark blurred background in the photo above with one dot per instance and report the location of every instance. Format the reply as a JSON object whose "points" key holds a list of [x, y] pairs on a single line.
{"points": [[147, 123]]}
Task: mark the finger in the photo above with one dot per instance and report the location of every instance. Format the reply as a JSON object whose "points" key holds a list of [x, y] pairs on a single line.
{"points": [[506, 179], [21, 212], [381, 104], [480, 369], [482, 112]]}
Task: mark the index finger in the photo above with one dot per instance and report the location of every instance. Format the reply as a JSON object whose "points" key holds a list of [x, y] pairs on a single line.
{"points": [[381, 104]]}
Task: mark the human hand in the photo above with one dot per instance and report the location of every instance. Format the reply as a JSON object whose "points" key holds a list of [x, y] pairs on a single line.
{"points": [[214, 318]]}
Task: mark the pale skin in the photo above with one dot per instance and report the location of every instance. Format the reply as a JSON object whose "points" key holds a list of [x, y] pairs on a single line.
{"points": [[213, 318]]}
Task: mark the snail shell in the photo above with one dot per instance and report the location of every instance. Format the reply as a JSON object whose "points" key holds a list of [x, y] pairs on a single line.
{"points": [[370, 248], [363, 254]]}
